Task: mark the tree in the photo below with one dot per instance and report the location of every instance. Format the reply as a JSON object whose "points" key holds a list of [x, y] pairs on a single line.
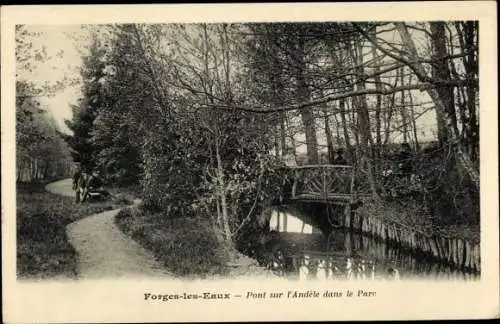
{"points": [[90, 104], [206, 70]]}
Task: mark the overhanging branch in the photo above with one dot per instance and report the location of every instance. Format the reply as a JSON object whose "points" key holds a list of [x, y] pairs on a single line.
{"points": [[268, 110]]}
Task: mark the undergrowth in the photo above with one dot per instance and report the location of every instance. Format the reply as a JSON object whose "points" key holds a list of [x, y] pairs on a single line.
{"points": [[187, 246], [413, 214]]}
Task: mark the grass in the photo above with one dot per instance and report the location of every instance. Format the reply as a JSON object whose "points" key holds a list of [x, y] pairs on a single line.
{"points": [[187, 246], [43, 250]]}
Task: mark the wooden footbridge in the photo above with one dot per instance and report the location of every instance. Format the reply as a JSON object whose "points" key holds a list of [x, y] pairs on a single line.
{"points": [[331, 184]]}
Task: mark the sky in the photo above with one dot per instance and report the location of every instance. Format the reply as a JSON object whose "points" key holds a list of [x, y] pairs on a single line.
{"points": [[70, 38], [55, 39]]}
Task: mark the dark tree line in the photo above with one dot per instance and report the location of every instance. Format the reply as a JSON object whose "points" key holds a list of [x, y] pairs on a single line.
{"points": [[41, 154]]}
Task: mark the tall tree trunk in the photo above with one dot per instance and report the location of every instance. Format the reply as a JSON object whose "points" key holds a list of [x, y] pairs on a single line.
{"points": [[390, 111], [227, 59], [19, 171], [349, 154], [440, 72], [278, 93], [222, 192], [282, 132], [402, 111], [354, 122], [303, 95], [310, 130], [413, 121], [292, 138], [328, 132], [280, 101], [329, 139], [378, 107], [219, 214], [338, 138], [277, 147], [468, 40], [345, 130], [364, 121], [33, 169]]}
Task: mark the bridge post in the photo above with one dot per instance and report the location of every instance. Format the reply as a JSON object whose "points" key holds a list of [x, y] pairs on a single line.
{"points": [[295, 180], [347, 216], [325, 192]]}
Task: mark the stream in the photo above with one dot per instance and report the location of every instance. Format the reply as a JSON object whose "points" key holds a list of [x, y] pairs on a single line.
{"points": [[295, 248]]}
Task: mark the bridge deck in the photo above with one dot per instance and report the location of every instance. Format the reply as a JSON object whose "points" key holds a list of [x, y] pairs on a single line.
{"points": [[331, 197], [333, 184]]}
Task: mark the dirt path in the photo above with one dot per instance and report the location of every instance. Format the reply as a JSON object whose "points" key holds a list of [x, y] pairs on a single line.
{"points": [[103, 249], [61, 187]]}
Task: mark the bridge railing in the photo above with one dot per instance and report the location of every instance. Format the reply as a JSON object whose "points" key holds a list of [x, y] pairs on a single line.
{"points": [[329, 182]]}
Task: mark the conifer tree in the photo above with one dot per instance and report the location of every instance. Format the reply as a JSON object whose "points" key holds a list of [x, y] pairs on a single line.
{"points": [[91, 102]]}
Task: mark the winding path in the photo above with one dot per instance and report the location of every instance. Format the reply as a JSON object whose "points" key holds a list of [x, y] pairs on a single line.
{"points": [[103, 249]]}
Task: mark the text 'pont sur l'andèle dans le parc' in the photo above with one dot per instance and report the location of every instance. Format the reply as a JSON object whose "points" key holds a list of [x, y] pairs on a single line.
{"points": [[290, 294]]}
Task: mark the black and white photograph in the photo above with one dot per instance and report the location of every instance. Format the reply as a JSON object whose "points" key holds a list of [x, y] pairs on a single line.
{"points": [[330, 153]]}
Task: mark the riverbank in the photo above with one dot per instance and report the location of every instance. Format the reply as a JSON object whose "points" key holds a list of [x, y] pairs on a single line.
{"points": [[188, 247], [43, 249], [413, 227]]}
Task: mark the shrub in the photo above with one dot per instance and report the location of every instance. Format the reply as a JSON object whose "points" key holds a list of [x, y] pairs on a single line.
{"points": [[448, 191], [413, 213]]}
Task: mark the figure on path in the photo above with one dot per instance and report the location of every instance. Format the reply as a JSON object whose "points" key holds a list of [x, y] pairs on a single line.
{"points": [[84, 182], [339, 158], [78, 183]]}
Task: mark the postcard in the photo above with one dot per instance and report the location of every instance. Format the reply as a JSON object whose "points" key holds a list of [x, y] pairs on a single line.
{"points": [[250, 162]]}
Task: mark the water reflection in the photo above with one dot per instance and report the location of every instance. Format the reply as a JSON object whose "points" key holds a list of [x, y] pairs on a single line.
{"points": [[302, 251], [285, 222]]}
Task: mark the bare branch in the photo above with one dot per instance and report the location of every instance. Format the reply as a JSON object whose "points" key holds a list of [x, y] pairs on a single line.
{"points": [[267, 110]]}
